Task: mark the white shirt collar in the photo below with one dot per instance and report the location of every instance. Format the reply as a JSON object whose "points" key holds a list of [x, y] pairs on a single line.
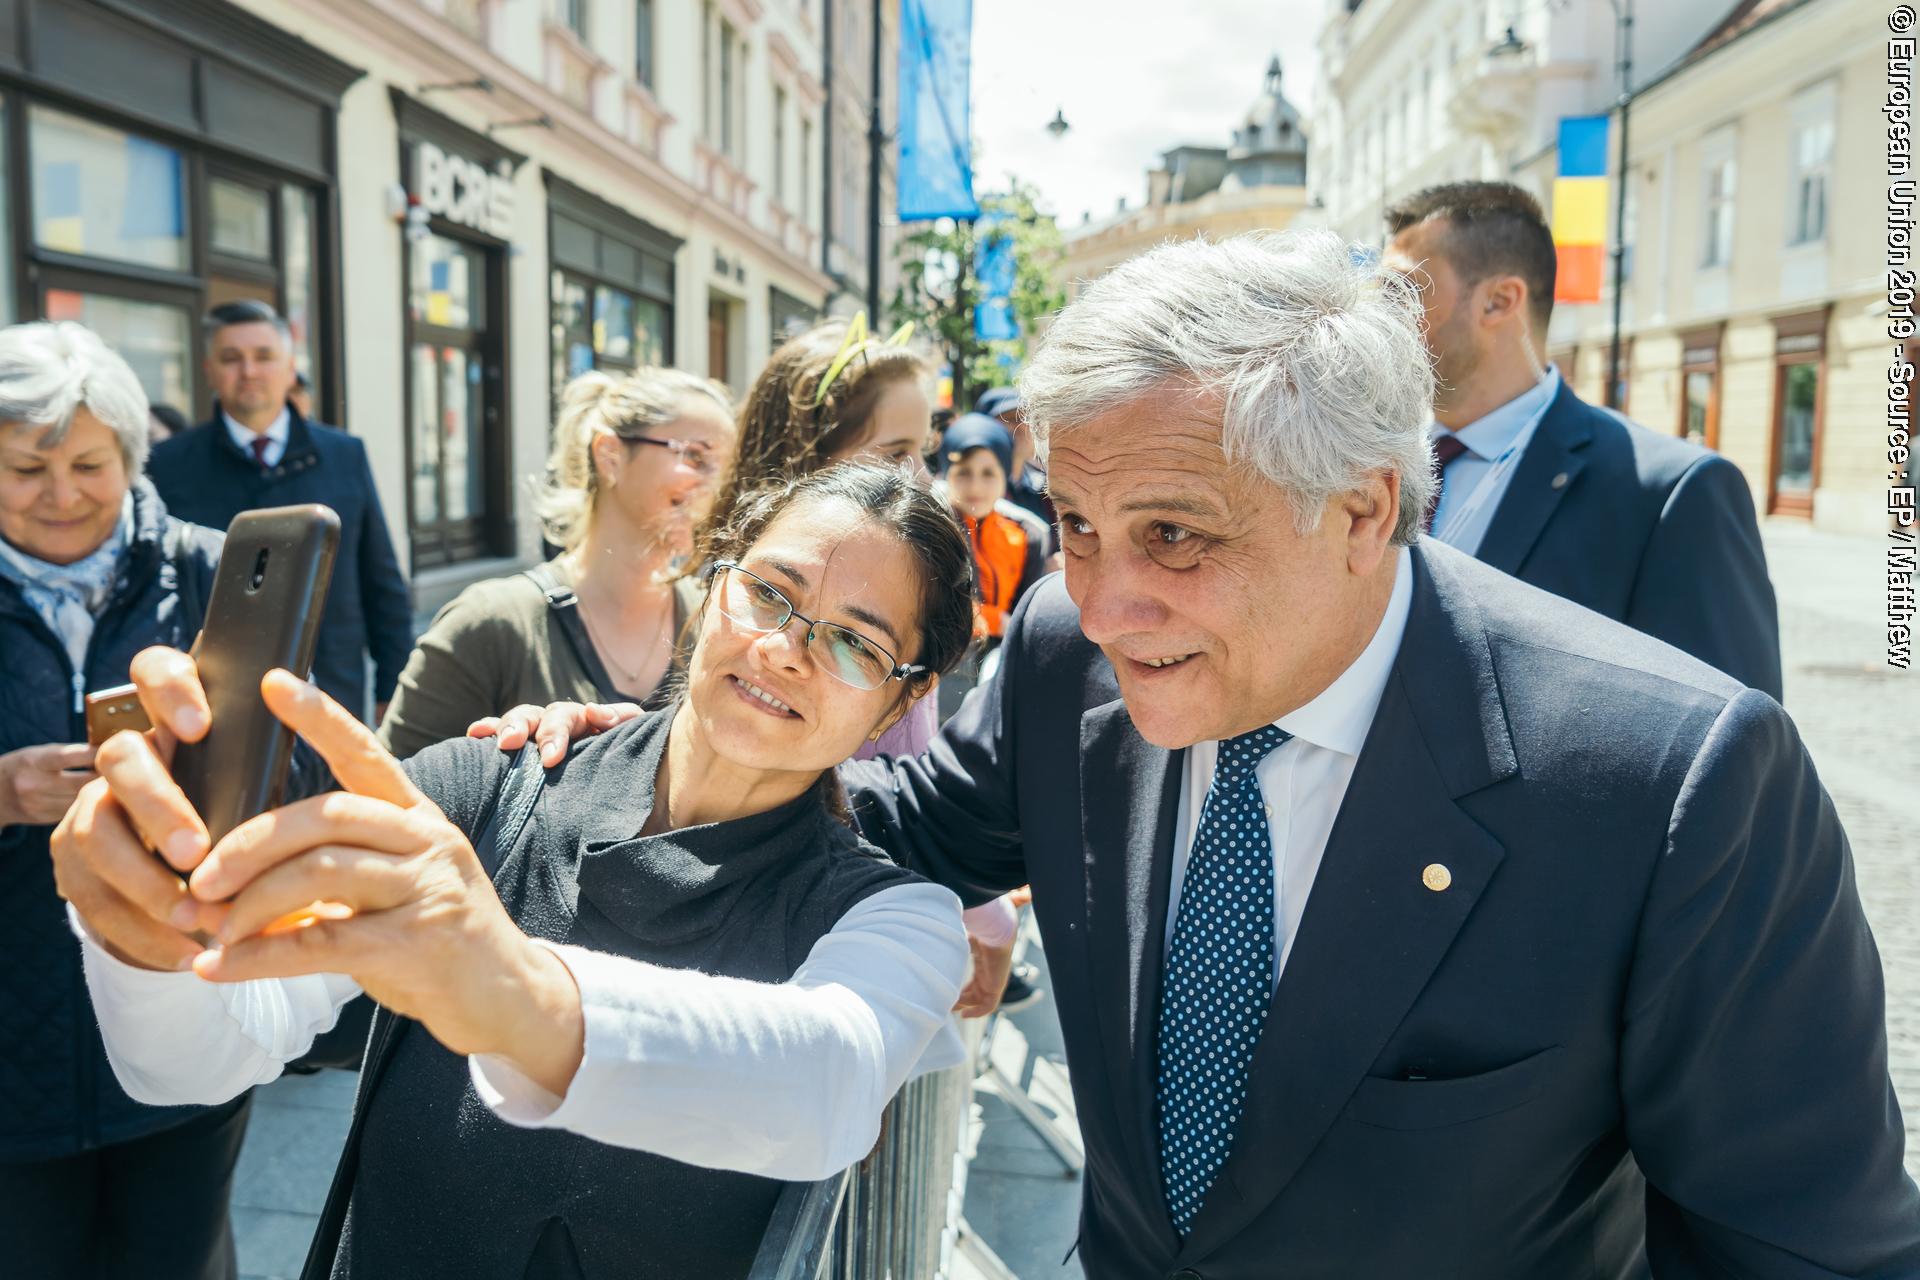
{"points": [[1489, 436], [1338, 719], [277, 431]]}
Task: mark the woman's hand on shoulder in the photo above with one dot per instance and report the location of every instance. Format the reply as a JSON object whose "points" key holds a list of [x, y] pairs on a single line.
{"points": [[553, 726]]}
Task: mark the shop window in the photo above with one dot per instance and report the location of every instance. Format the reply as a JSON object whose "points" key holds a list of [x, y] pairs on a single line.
{"points": [[155, 339], [572, 330], [613, 326], [299, 221], [448, 287], [240, 219], [611, 287], [448, 355], [1799, 372], [1700, 387], [100, 192]]}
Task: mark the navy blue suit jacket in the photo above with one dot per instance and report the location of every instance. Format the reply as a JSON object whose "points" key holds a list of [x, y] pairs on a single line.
{"points": [[1641, 1032], [1648, 529], [204, 477]]}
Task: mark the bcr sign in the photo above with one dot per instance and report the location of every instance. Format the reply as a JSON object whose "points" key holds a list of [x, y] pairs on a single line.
{"points": [[463, 191]]}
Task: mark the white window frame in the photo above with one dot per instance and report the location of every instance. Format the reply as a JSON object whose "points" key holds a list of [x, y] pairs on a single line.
{"points": [[1812, 124], [1719, 199], [780, 146]]}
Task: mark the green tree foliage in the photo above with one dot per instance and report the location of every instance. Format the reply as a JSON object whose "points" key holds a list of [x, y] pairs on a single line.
{"points": [[938, 295]]}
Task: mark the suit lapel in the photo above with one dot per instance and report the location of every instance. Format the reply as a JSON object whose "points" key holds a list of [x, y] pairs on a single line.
{"points": [[1373, 931], [1129, 795], [1545, 473]]}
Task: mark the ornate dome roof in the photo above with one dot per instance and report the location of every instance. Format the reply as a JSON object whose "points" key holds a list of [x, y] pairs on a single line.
{"points": [[1271, 126]]}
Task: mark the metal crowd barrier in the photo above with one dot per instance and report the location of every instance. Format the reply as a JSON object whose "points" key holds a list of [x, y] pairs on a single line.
{"points": [[896, 1214]]}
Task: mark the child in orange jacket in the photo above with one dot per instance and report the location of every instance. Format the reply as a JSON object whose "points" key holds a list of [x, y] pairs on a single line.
{"points": [[1008, 555]]}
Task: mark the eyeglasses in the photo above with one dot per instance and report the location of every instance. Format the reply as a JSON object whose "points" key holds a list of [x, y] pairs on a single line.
{"points": [[696, 457], [750, 601]]}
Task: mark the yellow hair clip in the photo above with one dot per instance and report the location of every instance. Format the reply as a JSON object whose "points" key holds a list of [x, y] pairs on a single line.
{"points": [[856, 343]]}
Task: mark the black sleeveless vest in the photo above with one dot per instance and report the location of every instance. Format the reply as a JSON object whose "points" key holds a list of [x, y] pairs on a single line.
{"points": [[437, 1185]]}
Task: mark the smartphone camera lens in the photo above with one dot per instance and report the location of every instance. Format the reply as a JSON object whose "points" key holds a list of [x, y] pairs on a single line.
{"points": [[259, 571]]}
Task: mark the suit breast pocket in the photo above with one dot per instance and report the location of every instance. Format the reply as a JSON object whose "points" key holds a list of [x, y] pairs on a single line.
{"points": [[1437, 1104]]}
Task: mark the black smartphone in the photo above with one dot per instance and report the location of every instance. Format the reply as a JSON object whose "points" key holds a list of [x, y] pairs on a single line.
{"points": [[264, 612]]}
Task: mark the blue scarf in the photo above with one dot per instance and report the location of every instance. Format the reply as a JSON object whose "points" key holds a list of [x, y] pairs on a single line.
{"points": [[69, 597]]}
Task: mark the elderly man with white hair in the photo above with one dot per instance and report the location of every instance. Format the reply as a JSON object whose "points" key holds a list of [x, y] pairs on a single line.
{"points": [[92, 570], [1404, 920]]}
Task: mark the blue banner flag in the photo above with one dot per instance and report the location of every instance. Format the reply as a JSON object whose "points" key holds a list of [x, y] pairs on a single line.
{"points": [[936, 118], [993, 268], [1583, 146]]}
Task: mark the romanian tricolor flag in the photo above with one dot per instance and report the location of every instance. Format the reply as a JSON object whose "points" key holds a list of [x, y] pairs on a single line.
{"points": [[1580, 209]]}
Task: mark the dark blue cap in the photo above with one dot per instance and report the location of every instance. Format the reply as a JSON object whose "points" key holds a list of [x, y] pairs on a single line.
{"points": [[997, 401], [977, 431]]}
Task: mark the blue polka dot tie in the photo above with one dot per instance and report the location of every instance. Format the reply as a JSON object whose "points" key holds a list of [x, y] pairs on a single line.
{"points": [[1219, 977]]}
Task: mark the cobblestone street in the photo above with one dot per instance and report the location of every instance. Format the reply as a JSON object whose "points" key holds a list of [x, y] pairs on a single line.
{"points": [[1861, 721]]}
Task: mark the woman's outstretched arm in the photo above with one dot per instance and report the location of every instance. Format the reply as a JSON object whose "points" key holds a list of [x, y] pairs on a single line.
{"points": [[787, 1080]]}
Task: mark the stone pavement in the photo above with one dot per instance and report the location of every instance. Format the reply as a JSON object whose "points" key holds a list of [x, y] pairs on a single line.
{"points": [[293, 1141], [1860, 720], [1861, 723]]}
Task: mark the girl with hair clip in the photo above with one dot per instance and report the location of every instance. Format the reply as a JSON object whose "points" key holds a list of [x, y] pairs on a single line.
{"points": [[833, 394], [630, 474]]}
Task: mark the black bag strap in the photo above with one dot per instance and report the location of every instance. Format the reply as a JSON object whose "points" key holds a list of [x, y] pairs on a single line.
{"points": [[565, 607], [512, 806]]}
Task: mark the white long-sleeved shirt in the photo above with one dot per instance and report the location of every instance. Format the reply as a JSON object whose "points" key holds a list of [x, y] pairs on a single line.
{"points": [[786, 1080]]}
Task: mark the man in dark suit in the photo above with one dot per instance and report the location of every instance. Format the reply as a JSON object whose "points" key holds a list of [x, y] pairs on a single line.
{"points": [[259, 451], [1405, 920], [1646, 528]]}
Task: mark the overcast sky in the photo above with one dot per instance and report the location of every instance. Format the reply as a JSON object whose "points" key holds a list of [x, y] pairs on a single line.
{"points": [[1134, 78]]}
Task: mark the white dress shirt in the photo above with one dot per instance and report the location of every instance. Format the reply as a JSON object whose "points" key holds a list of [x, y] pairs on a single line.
{"points": [[786, 1080], [1304, 780], [1495, 444], [276, 433]]}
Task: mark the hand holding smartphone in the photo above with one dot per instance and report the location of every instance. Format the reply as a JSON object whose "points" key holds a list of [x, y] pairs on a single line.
{"points": [[264, 612]]}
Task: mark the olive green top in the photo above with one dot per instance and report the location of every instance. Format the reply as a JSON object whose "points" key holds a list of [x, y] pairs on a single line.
{"points": [[502, 642]]}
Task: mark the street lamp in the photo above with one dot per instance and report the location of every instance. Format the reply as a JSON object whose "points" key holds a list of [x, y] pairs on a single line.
{"points": [[1623, 42], [1058, 126], [1511, 46]]}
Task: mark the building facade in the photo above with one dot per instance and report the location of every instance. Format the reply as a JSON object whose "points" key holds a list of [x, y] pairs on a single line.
{"points": [[1418, 92], [459, 204], [1753, 313], [1256, 182]]}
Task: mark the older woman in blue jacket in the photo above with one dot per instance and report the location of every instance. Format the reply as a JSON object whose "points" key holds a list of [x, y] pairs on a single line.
{"points": [[92, 571]]}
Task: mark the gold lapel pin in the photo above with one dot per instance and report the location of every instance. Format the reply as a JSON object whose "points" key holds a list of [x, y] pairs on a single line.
{"points": [[1560, 481], [1436, 877]]}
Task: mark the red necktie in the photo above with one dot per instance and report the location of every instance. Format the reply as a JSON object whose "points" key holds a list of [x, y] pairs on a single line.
{"points": [[260, 445], [1445, 450]]}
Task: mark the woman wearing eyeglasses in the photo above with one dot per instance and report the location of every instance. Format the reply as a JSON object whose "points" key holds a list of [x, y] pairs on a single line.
{"points": [[632, 470], [685, 979]]}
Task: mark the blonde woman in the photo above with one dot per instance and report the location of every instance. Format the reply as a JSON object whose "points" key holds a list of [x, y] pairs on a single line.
{"points": [[631, 473]]}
